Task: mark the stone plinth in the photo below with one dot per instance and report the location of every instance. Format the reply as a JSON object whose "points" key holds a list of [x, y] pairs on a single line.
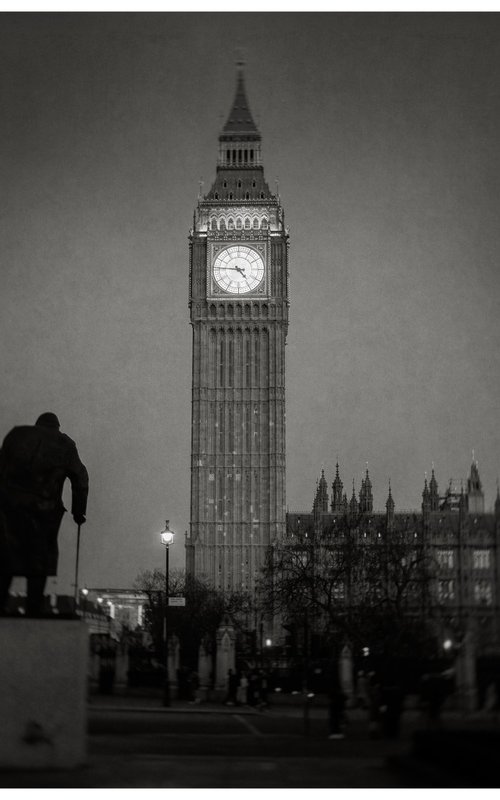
{"points": [[43, 693]]}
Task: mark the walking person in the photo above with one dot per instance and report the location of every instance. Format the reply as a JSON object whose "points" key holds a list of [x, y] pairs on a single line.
{"points": [[242, 690], [35, 461]]}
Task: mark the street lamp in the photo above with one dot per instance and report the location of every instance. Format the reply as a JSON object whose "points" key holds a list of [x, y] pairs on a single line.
{"points": [[166, 538], [85, 592]]}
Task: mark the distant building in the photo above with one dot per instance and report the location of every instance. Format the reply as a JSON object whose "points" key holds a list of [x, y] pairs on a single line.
{"points": [[461, 540], [125, 607]]}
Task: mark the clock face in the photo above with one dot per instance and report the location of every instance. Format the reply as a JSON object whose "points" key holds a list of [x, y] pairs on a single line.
{"points": [[238, 269]]}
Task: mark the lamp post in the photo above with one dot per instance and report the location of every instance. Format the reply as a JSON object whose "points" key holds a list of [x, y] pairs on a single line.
{"points": [[166, 538]]}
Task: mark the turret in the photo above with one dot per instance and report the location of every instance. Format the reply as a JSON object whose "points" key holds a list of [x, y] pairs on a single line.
{"points": [[345, 504], [433, 492], [337, 488], [365, 495], [353, 504], [389, 509], [475, 494], [426, 499], [320, 505]]}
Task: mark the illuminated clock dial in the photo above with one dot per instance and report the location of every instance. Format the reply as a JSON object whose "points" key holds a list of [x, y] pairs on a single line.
{"points": [[238, 269]]}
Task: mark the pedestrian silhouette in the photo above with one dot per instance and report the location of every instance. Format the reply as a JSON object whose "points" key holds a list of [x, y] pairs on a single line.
{"points": [[35, 461]]}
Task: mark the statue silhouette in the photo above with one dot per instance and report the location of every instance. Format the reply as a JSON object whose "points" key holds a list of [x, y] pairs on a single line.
{"points": [[35, 461]]}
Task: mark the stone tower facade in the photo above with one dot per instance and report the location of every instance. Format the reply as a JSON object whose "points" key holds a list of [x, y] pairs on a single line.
{"points": [[238, 299]]}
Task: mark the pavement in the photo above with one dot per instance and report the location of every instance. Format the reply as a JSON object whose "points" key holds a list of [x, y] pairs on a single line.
{"points": [[134, 742]]}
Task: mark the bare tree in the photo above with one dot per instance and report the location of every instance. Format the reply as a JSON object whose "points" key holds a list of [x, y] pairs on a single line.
{"points": [[198, 620], [351, 583]]}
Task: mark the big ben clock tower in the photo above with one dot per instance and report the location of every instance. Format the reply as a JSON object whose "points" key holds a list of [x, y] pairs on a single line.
{"points": [[238, 299]]}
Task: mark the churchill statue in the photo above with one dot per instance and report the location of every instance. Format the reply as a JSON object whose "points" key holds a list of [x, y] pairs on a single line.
{"points": [[35, 461]]}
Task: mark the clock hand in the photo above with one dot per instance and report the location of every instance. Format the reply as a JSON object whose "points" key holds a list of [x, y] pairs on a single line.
{"points": [[238, 269]]}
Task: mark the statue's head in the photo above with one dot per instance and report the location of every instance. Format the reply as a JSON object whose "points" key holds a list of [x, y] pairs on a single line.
{"points": [[48, 420]]}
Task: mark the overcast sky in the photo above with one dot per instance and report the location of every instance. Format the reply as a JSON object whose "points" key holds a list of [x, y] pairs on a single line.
{"points": [[383, 131]]}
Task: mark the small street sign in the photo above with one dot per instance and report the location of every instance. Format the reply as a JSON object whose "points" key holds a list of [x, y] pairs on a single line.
{"points": [[177, 601]]}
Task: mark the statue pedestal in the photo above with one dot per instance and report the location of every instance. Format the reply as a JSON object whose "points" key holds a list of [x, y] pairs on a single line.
{"points": [[43, 693]]}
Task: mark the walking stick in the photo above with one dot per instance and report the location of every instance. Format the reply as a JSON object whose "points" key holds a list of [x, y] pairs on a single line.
{"points": [[76, 566]]}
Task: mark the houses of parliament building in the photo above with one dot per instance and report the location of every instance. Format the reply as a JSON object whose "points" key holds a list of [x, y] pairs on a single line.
{"points": [[461, 540]]}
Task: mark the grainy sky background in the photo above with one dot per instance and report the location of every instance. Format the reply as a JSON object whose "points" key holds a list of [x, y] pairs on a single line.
{"points": [[384, 132]]}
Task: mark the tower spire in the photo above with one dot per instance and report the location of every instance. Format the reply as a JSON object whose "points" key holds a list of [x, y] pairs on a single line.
{"points": [[389, 508], [240, 120], [433, 491], [337, 493], [320, 505]]}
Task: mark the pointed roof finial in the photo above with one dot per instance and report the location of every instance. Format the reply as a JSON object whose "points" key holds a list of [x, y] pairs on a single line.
{"points": [[240, 118], [240, 56], [389, 503]]}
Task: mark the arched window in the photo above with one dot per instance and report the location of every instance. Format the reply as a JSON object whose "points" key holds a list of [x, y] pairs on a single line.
{"points": [[216, 196], [239, 184], [230, 223], [213, 224], [230, 195], [239, 223], [264, 223], [247, 222], [255, 222]]}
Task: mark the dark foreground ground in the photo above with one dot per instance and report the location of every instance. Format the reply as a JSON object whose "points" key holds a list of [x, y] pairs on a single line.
{"points": [[135, 743]]}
